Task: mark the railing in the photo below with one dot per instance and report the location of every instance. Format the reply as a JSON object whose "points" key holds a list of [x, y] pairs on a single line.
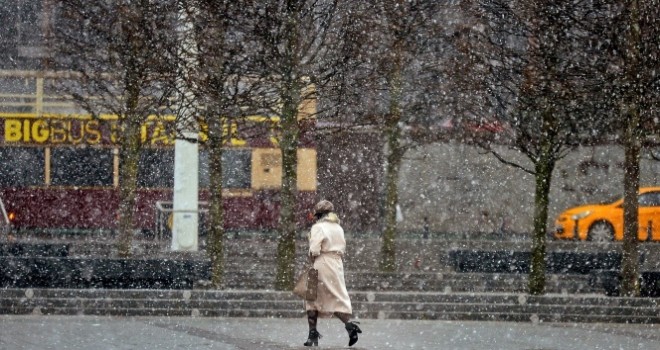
{"points": [[37, 92], [164, 211], [5, 224]]}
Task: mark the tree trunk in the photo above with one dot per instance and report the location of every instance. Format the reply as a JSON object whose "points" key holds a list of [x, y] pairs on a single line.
{"points": [[216, 214], [630, 260], [394, 159], [129, 158], [543, 176], [290, 95], [286, 247], [632, 145], [388, 251]]}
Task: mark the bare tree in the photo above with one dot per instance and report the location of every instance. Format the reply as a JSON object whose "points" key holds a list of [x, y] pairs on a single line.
{"points": [[632, 82], [399, 88], [216, 80], [298, 49], [628, 56], [535, 76], [120, 55]]}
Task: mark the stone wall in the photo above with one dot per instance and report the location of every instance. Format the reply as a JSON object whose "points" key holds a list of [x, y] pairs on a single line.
{"points": [[461, 188]]}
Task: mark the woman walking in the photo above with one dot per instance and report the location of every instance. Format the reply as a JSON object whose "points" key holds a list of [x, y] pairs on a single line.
{"points": [[326, 248]]}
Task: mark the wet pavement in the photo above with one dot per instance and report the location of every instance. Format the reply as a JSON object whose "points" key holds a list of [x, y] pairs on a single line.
{"points": [[37, 332]]}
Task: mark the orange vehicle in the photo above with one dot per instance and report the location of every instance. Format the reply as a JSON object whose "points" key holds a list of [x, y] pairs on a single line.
{"points": [[604, 222]]}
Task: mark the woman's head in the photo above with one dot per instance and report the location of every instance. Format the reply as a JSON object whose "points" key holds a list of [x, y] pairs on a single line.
{"points": [[322, 208]]}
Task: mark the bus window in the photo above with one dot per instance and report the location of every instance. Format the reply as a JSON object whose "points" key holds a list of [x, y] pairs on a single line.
{"points": [[156, 168], [85, 167], [21, 166], [236, 169]]}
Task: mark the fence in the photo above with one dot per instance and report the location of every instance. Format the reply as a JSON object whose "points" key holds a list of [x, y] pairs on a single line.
{"points": [[5, 224], [164, 218]]}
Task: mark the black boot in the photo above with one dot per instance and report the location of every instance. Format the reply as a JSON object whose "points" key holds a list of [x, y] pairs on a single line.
{"points": [[353, 331], [313, 338]]}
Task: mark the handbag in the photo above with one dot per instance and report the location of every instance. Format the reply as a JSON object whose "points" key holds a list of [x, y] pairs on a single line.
{"points": [[307, 283]]}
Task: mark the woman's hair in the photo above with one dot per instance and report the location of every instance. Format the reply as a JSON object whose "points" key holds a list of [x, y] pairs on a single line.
{"points": [[322, 208]]}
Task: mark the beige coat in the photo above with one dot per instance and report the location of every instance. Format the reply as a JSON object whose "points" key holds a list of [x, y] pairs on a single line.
{"points": [[327, 245]]}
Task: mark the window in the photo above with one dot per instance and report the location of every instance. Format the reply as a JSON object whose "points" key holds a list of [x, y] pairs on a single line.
{"points": [[81, 166], [156, 168], [650, 199], [21, 34], [236, 168], [21, 166]]}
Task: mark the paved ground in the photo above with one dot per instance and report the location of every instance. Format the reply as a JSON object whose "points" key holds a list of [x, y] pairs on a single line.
{"points": [[113, 333]]}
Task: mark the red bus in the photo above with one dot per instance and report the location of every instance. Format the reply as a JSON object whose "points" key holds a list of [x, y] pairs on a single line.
{"points": [[60, 172]]}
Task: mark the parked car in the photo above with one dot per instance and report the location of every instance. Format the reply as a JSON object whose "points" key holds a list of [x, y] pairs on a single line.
{"points": [[604, 222]]}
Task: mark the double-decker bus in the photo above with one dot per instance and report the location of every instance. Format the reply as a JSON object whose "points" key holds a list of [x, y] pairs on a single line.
{"points": [[61, 172]]}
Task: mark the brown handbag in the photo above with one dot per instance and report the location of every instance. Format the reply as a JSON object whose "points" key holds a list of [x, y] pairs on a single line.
{"points": [[307, 283]]}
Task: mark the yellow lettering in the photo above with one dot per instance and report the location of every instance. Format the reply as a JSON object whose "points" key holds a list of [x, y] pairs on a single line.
{"points": [[235, 140], [58, 131], [274, 140], [81, 132], [274, 137], [158, 135], [155, 132], [40, 131], [114, 131], [26, 131], [160, 140], [93, 132], [203, 132], [144, 132], [13, 130]]}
